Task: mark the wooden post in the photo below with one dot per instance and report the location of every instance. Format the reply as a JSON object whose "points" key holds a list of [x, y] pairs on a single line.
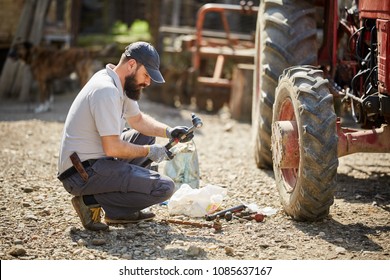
{"points": [[11, 68], [35, 37], [240, 104], [16, 76]]}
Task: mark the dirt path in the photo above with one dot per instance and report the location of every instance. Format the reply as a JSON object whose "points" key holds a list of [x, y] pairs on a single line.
{"points": [[38, 222]]}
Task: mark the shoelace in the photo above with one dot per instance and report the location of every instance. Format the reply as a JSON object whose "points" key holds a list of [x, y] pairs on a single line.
{"points": [[96, 214]]}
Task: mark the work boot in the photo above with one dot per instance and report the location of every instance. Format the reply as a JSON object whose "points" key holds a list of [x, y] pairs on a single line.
{"points": [[89, 215], [135, 217]]}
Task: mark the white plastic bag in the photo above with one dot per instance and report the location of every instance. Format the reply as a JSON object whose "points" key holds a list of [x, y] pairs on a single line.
{"points": [[184, 167], [196, 202]]}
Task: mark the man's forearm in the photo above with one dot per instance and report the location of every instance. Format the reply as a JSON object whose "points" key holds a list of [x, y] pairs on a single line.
{"points": [[113, 146], [148, 125]]}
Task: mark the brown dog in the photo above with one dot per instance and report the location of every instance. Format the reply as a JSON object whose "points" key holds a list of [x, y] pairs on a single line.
{"points": [[49, 64]]}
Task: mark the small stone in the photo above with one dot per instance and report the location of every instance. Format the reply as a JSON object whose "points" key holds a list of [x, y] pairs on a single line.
{"points": [[81, 242], [71, 230], [194, 251], [178, 242], [17, 251], [123, 250], [321, 234], [229, 251], [143, 225], [28, 189], [77, 252], [127, 256], [98, 241], [340, 250], [31, 218], [45, 212], [18, 242]]}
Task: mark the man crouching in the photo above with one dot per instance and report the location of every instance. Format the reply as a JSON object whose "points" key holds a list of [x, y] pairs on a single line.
{"points": [[100, 162]]}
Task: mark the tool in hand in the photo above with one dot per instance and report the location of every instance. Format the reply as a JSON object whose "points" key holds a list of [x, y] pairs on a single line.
{"points": [[196, 123]]}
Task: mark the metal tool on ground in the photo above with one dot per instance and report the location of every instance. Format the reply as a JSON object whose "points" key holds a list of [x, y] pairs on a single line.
{"points": [[217, 226], [258, 217], [196, 123], [240, 212], [221, 214]]}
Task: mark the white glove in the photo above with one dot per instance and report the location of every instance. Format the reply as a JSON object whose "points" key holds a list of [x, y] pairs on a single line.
{"points": [[158, 153]]}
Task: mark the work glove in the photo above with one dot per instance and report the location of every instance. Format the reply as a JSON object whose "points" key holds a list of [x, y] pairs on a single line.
{"points": [[158, 153], [177, 132]]}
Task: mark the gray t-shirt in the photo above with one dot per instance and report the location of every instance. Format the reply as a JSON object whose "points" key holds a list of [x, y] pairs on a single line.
{"points": [[100, 109]]}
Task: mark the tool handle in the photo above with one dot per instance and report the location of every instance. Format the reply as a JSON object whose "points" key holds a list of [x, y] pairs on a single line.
{"points": [[79, 166], [172, 142], [223, 212]]}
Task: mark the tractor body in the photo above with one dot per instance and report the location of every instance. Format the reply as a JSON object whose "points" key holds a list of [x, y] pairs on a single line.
{"points": [[321, 91]]}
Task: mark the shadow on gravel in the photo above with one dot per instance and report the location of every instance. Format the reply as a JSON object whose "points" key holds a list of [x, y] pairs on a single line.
{"points": [[373, 190], [151, 240], [352, 237]]}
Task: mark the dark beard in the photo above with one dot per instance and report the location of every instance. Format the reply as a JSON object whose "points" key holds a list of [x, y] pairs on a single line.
{"points": [[131, 89]]}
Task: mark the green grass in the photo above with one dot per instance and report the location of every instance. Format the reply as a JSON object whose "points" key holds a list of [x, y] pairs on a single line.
{"points": [[120, 34]]}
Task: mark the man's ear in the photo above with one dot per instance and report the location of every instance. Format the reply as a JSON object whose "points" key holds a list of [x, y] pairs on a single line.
{"points": [[132, 62]]}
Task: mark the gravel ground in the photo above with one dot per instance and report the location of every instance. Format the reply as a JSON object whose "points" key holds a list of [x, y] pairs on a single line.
{"points": [[38, 222]]}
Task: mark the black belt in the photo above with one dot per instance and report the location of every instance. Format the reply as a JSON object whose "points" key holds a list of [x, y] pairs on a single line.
{"points": [[70, 171]]}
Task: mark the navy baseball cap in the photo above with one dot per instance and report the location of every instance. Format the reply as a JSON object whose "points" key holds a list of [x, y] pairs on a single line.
{"points": [[147, 55]]}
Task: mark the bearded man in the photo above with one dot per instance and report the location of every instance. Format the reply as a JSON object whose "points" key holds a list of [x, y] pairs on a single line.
{"points": [[101, 158]]}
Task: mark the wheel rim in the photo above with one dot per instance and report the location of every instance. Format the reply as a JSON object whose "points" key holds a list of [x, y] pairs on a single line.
{"points": [[290, 174]]}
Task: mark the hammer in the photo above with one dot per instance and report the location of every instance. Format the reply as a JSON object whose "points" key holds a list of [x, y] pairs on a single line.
{"points": [[196, 123]]}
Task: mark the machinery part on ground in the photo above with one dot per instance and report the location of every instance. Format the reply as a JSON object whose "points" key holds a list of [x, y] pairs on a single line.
{"points": [[216, 225], [221, 214], [304, 143], [285, 36]]}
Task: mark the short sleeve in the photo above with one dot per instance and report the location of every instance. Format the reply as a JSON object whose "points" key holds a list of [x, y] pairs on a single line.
{"points": [[106, 109], [130, 108]]}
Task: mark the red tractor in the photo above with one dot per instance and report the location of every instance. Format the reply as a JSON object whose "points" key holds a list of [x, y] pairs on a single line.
{"points": [[319, 64]]}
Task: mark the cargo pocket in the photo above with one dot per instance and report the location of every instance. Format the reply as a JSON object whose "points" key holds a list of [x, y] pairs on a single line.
{"points": [[140, 180], [116, 175]]}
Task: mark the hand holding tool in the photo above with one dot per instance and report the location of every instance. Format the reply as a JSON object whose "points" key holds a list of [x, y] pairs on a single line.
{"points": [[158, 153], [196, 123], [177, 131]]}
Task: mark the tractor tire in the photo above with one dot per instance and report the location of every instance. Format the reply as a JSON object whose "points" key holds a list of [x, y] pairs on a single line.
{"points": [[306, 189], [285, 36]]}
